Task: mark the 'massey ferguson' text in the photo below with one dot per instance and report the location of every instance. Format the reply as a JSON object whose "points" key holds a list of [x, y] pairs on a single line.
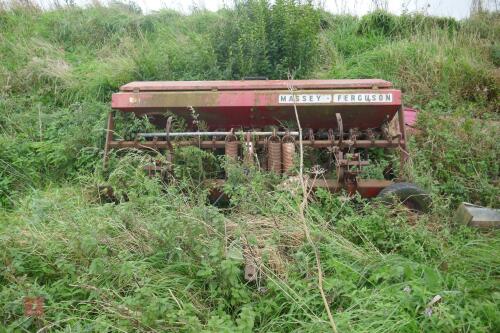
{"points": [[335, 98], [362, 98]]}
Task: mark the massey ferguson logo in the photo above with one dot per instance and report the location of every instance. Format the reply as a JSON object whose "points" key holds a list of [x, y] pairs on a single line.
{"points": [[362, 98], [305, 99], [335, 98]]}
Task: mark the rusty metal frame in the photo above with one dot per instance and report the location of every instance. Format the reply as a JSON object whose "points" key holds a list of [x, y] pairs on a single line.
{"points": [[367, 188], [207, 144], [109, 138], [402, 140]]}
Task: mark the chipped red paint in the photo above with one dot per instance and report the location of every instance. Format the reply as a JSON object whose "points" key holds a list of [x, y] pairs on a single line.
{"points": [[367, 188], [259, 108], [410, 117]]}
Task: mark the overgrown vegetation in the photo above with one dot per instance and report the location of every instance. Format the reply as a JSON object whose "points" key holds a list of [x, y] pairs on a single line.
{"points": [[163, 259]]}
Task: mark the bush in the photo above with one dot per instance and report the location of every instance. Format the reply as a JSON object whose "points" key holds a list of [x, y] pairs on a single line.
{"points": [[379, 23], [263, 39]]}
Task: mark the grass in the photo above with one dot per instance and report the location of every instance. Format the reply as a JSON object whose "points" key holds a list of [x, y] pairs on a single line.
{"points": [[163, 259]]}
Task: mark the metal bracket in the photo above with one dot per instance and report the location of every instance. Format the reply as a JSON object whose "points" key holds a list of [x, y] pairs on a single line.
{"points": [[170, 149], [214, 139], [340, 127], [331, 136], [168, 126], [250, 148], [386, 133], [311, 137], [353, 135], [371, 135]]}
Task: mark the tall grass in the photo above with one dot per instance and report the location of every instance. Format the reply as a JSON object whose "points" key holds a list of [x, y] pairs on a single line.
{"points": [[157, 262]]}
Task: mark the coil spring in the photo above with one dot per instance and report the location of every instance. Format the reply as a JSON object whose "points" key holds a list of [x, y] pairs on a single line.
{"points": [[231, 148], [288, 149], [274, 154]]}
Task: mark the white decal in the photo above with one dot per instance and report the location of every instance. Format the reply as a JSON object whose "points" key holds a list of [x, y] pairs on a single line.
{"points": [[362, 98], [305, 99]]}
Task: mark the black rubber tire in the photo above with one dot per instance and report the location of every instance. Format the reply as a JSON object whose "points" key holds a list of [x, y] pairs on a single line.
{"points": [[408, 194]]}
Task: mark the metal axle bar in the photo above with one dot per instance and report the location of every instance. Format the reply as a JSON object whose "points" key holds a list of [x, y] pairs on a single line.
{"points": [[221, 144], [183, 134]]}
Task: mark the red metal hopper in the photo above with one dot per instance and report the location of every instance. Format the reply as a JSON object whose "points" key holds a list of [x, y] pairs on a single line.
{"points": [[256, 104]]}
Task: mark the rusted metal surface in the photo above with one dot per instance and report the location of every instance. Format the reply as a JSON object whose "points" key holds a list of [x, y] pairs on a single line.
{"points": [[155, 169], [274, 154], [251, 270], [207, 144], [249, 150], [403, 154], [253, 85], [348, 168], [288, 152], [258, 109], [367, 188], [231, 147], [216, 133]]}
